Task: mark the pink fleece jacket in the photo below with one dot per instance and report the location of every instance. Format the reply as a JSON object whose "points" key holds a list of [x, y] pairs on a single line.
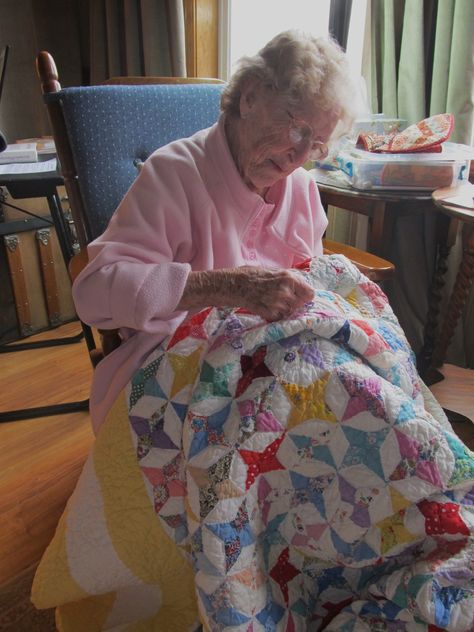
{"points": [[187, 210]]}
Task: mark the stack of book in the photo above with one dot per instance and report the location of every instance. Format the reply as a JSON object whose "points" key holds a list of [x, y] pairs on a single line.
{"points": [[19, 152], [30, 151]]}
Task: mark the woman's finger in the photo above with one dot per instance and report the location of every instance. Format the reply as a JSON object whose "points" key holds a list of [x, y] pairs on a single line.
{"points": [[303, 291]]}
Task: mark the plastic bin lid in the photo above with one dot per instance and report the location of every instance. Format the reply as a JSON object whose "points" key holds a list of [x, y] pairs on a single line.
{"points": [[451, 152]]}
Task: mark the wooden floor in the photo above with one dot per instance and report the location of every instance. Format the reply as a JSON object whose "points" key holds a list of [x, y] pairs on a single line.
{"points": [[41, 459], [456, 391]]}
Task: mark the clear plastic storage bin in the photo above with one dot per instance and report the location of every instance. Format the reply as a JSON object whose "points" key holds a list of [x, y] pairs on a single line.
{"points": [[423, 171], [377, 124]]}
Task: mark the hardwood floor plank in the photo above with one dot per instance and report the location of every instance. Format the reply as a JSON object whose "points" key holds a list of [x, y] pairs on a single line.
{"points": [[40, 459], [456, 391], [39, 377]]}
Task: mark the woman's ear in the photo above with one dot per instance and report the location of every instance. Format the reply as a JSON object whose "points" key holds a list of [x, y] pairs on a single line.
{"points": [[248, 98]]}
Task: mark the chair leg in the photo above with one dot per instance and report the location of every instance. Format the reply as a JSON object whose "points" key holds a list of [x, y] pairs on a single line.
{"points": [[89, 337], [41, 344], [44, 411]]}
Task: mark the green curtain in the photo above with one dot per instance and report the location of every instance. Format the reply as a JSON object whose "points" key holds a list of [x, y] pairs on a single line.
{"points": [[421, 62]]}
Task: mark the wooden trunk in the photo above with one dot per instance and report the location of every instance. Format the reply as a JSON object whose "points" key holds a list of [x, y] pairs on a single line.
{"points": [[39, 280]]}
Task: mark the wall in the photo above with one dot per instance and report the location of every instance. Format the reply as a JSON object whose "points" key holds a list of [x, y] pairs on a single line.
{"points": [[61, 27], [29, 26]]}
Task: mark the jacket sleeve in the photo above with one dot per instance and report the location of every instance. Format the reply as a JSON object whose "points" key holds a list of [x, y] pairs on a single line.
{"points": [[134, 278]]}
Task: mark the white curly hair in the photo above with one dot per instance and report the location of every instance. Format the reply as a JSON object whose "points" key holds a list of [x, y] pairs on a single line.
{"points": [[301, 69]]}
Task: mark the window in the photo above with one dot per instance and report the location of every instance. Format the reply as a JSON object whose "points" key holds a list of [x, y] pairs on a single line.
{"points": [[247, 25]]}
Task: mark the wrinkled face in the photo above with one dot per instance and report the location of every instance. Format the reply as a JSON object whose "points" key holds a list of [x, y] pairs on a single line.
{"points": [[274, 139]]}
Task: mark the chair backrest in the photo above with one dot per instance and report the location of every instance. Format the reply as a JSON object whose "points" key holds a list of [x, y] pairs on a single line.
{"points": [[140, 80], [103, 133]]}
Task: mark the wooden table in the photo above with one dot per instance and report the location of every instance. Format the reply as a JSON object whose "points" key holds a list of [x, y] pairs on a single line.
{"points": [[381, 206], [42, 185]]}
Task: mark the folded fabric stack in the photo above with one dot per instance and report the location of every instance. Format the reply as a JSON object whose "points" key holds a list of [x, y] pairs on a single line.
{"points": [[425, 136]]}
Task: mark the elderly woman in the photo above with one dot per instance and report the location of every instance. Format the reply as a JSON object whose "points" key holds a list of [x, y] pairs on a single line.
{"points": [[270, 465], [218, 219]]}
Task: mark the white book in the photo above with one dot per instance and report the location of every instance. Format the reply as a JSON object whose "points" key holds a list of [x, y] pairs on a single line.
{"points": [[15, 168], [19, 152]]}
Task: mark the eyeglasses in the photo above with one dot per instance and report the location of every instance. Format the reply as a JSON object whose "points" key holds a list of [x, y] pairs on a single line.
{"points": [[299, 133]]}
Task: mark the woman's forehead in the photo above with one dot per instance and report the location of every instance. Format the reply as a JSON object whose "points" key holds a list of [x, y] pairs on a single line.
{"points": [[305, 111], [321, 122]]}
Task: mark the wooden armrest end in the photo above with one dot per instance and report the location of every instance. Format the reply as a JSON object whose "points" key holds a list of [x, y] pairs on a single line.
{"points": [[109, 338], [375, 268], [77, 264]]}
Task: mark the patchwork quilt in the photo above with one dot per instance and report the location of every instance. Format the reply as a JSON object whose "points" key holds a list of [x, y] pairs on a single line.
{"points": [[280, 476]]}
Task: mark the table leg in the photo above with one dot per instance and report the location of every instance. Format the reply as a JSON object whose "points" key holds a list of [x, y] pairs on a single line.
{"points": [[446, 230], [458, 297], [377, 232]]}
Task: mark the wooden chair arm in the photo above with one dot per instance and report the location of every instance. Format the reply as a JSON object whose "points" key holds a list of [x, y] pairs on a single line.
{"points": [[109, 338], [137, 80], [77, 263], [375, 268]]}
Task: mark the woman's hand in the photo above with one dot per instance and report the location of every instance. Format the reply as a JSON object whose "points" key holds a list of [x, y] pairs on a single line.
{"points": [[269, 292]]}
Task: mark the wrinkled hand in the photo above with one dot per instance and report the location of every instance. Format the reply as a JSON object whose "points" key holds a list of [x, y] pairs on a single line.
{"points": [[269, 292]]}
